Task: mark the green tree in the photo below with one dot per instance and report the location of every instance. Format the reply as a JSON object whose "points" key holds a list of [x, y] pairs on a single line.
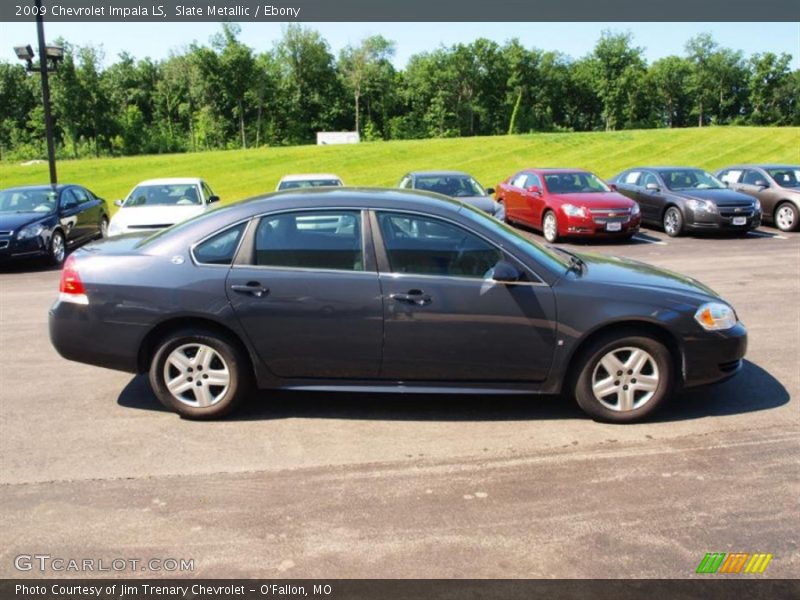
{"points": [[616, 66]]}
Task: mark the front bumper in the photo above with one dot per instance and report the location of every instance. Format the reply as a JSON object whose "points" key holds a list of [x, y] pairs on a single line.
{"points": [[722, 220], [13, 249], [598, 226], [713, 356]]}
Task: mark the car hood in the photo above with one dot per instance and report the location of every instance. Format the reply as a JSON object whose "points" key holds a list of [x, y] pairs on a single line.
{"points": [[596, 200], [155, 216], [718, 197], [624, 272], [12, 221], [484, 203]]}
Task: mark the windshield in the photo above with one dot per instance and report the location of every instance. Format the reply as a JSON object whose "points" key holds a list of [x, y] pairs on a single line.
{"points": [[785, 177], [41, 201], [306, 183], [514, 240], [690, 179], [185, 194], [455, 186], [574, 183]]}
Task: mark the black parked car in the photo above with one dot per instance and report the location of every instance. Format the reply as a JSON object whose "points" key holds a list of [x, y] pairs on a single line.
{"points": [[39, 221], [777, 187], [379, 290], [682, 199], [455, 184]]}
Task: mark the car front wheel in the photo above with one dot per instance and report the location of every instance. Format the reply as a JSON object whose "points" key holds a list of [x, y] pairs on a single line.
{"points": [[673, 222], [622, 379], [550, 227], [58, 248], [199, 374]]}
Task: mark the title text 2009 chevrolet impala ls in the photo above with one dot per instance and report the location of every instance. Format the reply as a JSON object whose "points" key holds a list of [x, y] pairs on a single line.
{"points": [[378, 290]]}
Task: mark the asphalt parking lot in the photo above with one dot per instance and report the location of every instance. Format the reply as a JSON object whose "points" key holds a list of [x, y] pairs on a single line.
{"points": [[341, 485]]}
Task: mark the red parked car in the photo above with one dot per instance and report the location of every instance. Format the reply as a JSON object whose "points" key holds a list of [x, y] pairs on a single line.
{"points": [[567, 202]]}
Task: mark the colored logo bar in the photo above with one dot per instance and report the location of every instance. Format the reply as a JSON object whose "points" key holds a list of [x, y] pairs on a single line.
{"points": [[734, 562]]}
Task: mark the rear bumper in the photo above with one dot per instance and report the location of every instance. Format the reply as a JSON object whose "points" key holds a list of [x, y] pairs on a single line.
{"points": [[77, 335], [715, 357]]}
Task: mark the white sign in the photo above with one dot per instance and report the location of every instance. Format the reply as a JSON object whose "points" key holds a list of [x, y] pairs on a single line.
{"points": [[325, 138]]}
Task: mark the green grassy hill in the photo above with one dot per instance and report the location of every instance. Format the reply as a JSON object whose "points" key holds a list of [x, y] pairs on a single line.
{"points": [[238, 174]]}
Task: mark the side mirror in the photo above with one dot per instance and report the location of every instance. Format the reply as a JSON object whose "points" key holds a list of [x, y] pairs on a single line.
{"points": [[212, 199], [534, 189], [762, 184], [505, 272], [118, 202], [489, 191], [653, 187], [613, 187]]}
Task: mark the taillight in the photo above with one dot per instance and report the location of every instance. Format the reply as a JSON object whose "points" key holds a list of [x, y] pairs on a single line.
{"points": [[71, 286]]}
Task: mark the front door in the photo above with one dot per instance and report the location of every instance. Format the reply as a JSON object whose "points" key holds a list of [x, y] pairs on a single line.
{"points": [[308, 301], [445, 318]]}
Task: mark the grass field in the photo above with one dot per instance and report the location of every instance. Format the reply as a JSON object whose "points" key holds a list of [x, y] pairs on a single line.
{"points": [[238, 174]]}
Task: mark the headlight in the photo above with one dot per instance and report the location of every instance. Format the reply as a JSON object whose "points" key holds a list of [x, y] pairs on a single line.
{"points": [[31, 231], [714, 316], [635, 210], [701, 205], [757, 205], [574, 211]]}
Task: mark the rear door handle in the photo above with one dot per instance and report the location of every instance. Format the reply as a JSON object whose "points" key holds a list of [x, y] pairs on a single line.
{"points": [[417, 297], [254, 288]]}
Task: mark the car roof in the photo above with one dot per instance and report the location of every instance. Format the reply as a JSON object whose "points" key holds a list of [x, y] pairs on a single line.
{"points": [[554, 170], [43, 186], [308, 176], [172, 181], [767, 166], [666, 168], [439, 174]]}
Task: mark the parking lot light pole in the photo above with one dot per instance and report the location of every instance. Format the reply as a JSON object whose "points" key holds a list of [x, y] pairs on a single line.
{"points": [[49, 57]]}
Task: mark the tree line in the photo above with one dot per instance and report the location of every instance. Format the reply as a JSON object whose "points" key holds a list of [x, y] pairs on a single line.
{"points": [[226, 95]]}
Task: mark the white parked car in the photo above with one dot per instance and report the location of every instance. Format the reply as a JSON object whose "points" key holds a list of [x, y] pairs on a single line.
{"points": [[160, 203], [306, 180]]}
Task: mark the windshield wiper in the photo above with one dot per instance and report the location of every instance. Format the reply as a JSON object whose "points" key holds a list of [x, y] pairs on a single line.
{"points": [[576, 263]]}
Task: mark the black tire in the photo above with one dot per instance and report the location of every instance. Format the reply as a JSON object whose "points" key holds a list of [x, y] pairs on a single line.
{"points": [[103, 228], [789, 222], [589, 366], [673, 222], [551, 235], [226, 398], [57, 250]]}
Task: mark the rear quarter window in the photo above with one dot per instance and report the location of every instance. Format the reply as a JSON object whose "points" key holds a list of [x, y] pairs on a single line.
{"points": [[219, 249]]}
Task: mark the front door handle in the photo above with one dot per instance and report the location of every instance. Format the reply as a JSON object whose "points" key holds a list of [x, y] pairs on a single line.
{"points": [[417, 297], [254, 288]]}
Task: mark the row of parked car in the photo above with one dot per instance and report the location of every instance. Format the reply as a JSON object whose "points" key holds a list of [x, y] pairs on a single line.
{"points": [[561, 203]]}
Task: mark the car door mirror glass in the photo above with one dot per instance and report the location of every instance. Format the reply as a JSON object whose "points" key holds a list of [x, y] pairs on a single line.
{"points": [[505, 272], [761, 183], [489, 191], [534, 189], [212, 199], [612, 187]]}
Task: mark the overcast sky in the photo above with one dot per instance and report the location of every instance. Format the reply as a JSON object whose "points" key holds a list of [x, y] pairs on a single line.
{"points": [[574, 39]]}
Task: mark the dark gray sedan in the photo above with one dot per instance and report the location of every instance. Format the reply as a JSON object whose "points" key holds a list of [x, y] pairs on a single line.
{"points": [[455, 184], [378, 290], [683, 199]]}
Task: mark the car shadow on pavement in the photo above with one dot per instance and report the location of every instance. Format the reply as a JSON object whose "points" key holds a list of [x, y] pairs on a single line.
{"points": [[29, 265], [754, 389]]}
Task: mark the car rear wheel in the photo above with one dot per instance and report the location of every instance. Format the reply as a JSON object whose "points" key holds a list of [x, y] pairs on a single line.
{"points": [[550, 227], [673, 222], [58, 248], [625, 378], [199, 374], [787, 217]]}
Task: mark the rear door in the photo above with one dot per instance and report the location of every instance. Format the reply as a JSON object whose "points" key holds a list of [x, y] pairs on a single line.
{"points": [[445, 318], [308, 296]]}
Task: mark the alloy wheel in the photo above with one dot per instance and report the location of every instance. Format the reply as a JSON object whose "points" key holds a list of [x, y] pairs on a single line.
{"points": [[625, 379], [550, 228], [785, 217], [57, 248], [671, 221], [196, 375]]}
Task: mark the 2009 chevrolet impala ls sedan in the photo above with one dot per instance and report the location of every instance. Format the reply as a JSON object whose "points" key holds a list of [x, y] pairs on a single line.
{"points": [[379, 290]]}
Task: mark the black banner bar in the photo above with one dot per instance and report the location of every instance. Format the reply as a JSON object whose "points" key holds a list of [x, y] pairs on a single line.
{"points": [[403, 10], [708, 587]]}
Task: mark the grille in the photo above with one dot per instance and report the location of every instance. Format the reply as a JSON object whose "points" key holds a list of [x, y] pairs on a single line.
{"points": [[601, 216], [729, 211], [6, 233], [3, 244]]}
